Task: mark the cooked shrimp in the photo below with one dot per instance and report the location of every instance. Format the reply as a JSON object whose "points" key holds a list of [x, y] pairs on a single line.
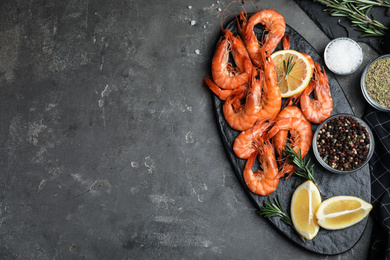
{"points": [[245, 143], [280, 139], [275, 26], [318, 109], [244, 116], [271, 99], [300, 131], [242, 22], [223, 94], [223, 74], [286, 42], [301, 137], [262, 182]]}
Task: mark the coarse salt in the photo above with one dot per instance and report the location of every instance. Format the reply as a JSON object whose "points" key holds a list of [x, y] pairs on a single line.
{"points": [[343, 56], [189, 7], [197, 52], [193, 22]]}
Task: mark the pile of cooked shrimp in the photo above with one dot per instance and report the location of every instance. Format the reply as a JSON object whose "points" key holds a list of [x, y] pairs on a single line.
{"points": [[253, 103]]}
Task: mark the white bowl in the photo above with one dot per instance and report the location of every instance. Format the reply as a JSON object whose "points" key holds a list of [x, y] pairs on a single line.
{"points": [[343, 56]]}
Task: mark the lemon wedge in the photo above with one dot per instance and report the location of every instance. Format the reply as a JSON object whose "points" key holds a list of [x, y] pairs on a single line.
{"points": [[340, 212], [293, 71], [305, 201]]}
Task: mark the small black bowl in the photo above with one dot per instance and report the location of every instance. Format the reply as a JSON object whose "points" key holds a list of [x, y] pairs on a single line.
{"points": [[321, 160]]}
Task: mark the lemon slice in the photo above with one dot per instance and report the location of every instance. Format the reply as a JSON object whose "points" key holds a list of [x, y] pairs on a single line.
{"points": [[298, 78], [339, 212], [304, 203]]}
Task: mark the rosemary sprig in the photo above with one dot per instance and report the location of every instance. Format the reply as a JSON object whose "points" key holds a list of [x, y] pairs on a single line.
{"points": [[345, 27], [304, 169], [274, 209], [356, 11], [370, 3], [289, 66]]}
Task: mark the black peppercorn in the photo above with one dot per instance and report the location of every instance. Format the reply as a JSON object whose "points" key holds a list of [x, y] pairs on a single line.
{"points": [[343, 143]]}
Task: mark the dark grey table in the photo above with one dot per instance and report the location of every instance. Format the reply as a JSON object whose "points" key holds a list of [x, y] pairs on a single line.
{"points": [[109, 145]]}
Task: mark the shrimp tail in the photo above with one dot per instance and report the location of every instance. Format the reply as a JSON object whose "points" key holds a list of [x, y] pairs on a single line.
{"points": [[286, 42], [223, 94], [294, 100], [288, 169], [273, 130], [242, 21]]}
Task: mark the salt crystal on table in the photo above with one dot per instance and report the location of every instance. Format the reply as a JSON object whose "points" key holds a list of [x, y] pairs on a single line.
{"points": [[197, 52], [343, 56], [193, 22], [189, 7]]}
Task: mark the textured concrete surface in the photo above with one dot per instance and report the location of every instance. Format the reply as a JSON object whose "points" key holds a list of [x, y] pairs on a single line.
{"points": [[109, 145]]}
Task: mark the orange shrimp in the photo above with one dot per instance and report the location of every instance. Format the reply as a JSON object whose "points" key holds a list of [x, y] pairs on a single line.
{"points": [[223, 74], [286, 42], [271, 99], [223, 94], [262, 182], [242, 19], [301, 137], [242, 22], [280, 139], [244, 116], [275, 25], [318, 109], [245, 143], [300, 131]]}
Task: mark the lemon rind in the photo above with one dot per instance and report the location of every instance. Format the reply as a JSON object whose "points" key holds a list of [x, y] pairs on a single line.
{"points": [[321, 218], [311, 187], [306, 80]]}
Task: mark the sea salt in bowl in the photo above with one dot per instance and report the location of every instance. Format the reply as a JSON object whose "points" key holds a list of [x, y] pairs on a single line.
{"points": [[343, 56]]}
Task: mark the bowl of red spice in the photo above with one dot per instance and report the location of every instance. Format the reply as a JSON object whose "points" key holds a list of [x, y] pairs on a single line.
{"points": [[375, 83], [343, 143]]}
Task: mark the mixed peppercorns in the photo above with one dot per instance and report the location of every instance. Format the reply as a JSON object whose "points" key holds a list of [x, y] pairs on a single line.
{"points": [[343, 143]]}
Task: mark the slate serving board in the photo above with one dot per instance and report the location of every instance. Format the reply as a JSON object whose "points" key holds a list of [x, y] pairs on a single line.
{"points": [[356, 184]]}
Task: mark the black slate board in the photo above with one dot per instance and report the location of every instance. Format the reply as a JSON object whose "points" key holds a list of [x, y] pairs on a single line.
{"points": [[357, 184]]}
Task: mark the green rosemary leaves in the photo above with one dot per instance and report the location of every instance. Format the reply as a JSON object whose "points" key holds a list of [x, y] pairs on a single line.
{"points": [[357, 12], [274, 209], [304, 169], [288, 66]]}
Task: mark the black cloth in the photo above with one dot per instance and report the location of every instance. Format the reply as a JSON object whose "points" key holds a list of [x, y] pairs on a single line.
{"points": [[379, 123], [331, 27]]}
